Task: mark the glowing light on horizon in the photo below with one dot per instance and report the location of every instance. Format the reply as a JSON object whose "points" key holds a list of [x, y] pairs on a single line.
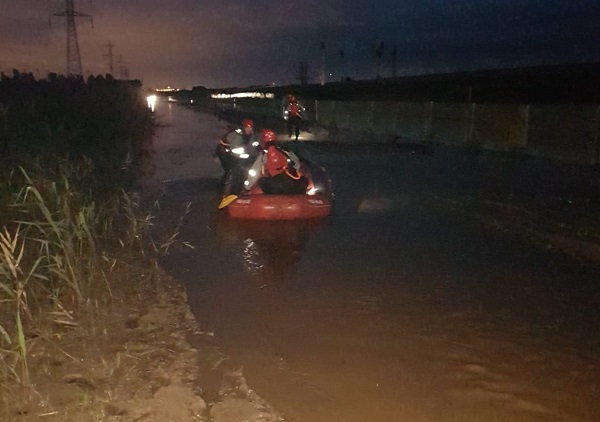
{"points": [[167, 89], [223, 96]]}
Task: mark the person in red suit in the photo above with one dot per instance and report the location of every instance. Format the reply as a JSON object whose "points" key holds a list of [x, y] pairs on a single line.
{"points": [[294, 116], [281, 175]]}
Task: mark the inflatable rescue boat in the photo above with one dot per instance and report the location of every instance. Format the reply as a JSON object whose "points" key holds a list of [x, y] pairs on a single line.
{"points": [[316, 202]]}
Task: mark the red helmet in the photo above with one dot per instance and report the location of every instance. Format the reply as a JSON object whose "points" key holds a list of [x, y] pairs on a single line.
{"points": [[248, 123], [292, 99], [267, 136]]}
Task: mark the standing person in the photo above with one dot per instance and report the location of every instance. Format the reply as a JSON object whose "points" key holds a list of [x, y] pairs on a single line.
{"points": [[237, 150], [294, 116], [281, 177], [234, 144]]}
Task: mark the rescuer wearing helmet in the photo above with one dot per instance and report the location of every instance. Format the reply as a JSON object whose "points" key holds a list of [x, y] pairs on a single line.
{"points": [[245, 132], [280, 175], [236, 145], [237, 150]]}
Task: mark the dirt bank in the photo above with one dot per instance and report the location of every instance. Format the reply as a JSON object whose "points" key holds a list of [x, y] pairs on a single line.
{"points": [[127, 356], [133, 351]]}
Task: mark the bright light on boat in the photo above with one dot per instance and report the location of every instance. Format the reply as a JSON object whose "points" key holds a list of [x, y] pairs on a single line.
{"points": [[238, 150], [246, 183], [312, 191], [252, 172], [244, 156]]}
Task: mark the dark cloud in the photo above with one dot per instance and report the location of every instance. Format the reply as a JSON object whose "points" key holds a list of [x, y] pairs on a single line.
{"points": [[243, 42]]}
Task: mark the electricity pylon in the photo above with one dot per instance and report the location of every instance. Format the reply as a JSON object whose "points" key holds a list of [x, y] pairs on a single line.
{"points": [[74, 68], [109, 57], [123, 69]]}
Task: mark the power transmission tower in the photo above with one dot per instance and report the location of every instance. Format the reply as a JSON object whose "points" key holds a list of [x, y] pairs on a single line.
{"points": [[109, 56], [74, 68], [124, 72], [123, 69]]}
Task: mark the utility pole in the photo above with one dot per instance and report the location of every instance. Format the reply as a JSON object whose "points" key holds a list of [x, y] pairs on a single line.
{"points": [[379, 53], [395, 54], [74, 68], [322, 76], [109, 56], [342, 67], [303, 73]]}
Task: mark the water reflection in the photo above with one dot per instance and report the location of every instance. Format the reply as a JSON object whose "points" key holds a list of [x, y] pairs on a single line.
{"points": [[251, 257], [269, 251]]}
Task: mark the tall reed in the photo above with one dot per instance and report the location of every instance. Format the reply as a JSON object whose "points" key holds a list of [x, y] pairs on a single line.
{"points": [[55, 240], [64, 222]]}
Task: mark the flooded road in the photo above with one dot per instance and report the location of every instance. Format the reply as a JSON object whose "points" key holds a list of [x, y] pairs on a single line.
{"points": [[391, 309]]}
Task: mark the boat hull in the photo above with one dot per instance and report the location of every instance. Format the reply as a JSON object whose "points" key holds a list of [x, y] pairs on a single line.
{"points": [[280, 207]]}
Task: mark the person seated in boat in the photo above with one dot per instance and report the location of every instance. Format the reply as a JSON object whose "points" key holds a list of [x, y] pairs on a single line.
{"points": [[281, 169]]}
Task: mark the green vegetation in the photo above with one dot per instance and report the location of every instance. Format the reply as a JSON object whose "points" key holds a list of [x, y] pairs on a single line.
{"points": [[103, 119], [70, 152]]}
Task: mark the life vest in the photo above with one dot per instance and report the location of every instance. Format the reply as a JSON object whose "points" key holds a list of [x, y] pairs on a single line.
{"points": [[294, 110], [236, 138], [276, 161]]}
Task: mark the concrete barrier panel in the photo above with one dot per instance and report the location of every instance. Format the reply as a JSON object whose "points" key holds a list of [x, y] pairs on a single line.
{"points": [[566, 132], [449, 123], [497, 126]]}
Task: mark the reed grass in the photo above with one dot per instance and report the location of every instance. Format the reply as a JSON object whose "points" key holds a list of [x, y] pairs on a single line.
{"points": [[56, 247], [68, 151]]}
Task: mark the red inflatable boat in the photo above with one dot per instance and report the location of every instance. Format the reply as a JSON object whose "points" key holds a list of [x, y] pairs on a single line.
{"points": [[258, 206], [315, 203]]}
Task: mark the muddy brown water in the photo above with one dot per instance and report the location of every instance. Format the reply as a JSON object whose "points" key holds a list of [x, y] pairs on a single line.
{"points": [[390, 309]]}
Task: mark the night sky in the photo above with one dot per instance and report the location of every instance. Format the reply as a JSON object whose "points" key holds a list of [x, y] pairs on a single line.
{"points": [[224, 43]]}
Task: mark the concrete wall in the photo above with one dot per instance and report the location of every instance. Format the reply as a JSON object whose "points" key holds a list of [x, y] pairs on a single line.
{"points": [[564, 132]]}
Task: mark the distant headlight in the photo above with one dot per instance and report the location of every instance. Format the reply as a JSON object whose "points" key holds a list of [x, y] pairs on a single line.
{"points": [[151, 99]]}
